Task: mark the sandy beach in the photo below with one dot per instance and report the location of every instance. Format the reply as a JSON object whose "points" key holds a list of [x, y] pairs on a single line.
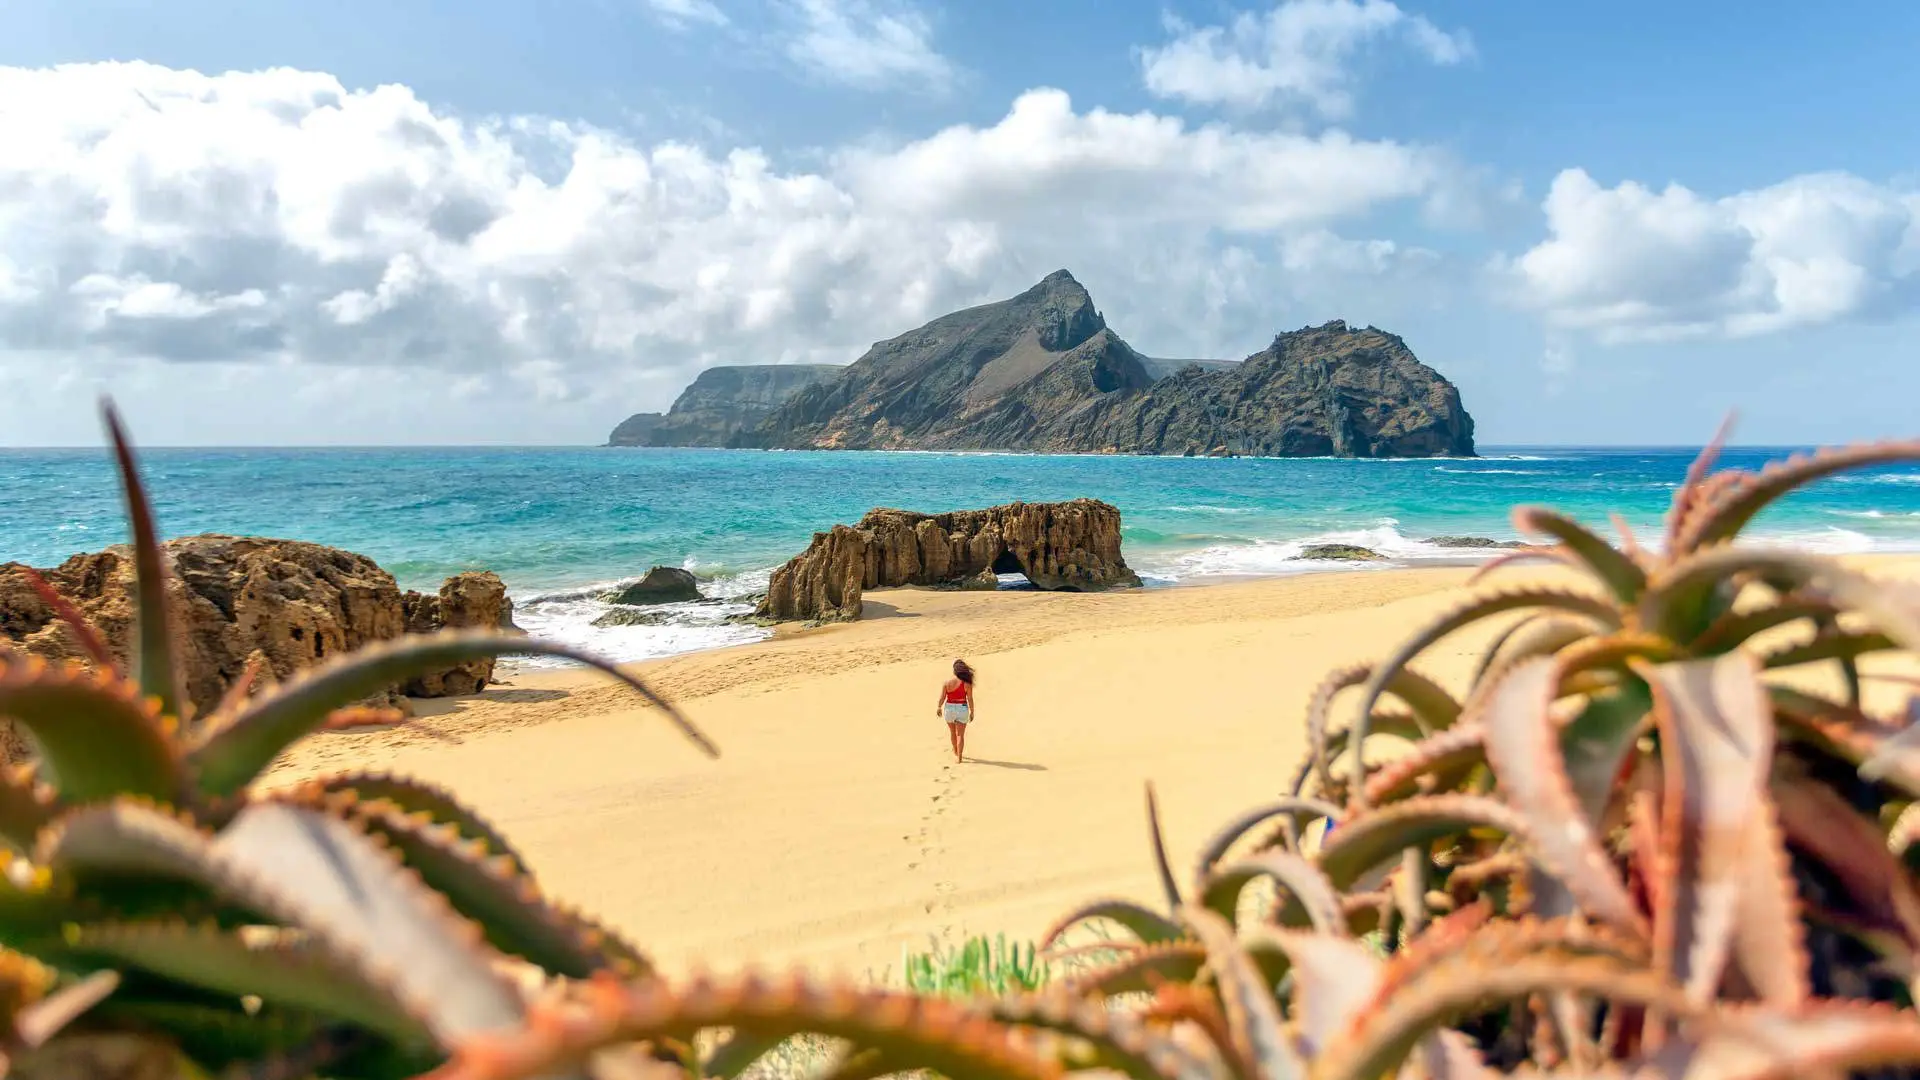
{"points": [[835, 829]]}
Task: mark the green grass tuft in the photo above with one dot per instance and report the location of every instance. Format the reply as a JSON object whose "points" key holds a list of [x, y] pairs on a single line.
{"points": [[978, 966]]}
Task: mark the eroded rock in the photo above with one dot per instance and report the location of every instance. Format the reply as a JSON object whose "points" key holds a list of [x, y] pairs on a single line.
{"points": [[660, 585], [1071, 546], [293, 604], [1340, 552]]}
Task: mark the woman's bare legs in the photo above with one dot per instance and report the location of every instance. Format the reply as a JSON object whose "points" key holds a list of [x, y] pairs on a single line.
{"points": [[957, 734]]}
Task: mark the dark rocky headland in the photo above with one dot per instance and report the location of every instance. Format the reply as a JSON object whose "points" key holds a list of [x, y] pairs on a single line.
{"points": [[1043, 372]]}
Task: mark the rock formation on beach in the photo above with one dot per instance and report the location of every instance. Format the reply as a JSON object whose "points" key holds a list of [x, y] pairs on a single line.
{"points": [[1042, 371], [1073, 546], [660, 585], [720, 403], [291, 603]]}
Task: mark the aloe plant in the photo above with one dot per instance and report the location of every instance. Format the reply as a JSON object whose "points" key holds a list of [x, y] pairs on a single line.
{"points": [[360, 922]]}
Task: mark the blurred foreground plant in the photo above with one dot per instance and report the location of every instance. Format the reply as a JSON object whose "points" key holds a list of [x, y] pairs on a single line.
{"points": [[1630, 847]]}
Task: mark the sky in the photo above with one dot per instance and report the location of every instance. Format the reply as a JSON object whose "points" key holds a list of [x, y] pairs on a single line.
{"points": [[496, 222]]}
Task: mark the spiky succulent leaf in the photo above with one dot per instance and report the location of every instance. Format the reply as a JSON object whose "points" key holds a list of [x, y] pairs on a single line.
{"points": [[1621, 575], [1723, 518], [281, 970], [83, 633], [1463, 616], [155, 667], [1223, 839], [1524, 749], [96, 736], [1367, 839], [1306, 897], [1716, 739], [414, 797], [1147, 925], [26, 804], [495, 892], [1098, 1038], [1253, 1016], [320, 875], [947, 1037], [231, 753]]}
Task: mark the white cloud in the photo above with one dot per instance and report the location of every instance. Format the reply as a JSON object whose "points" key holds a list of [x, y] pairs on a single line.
{"points": [[277, 216], [1631, 264], [867, 44], [683, 13], [1299, 52]]}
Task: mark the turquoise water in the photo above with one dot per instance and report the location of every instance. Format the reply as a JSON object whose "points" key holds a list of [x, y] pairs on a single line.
{"points": [[555, 523]]}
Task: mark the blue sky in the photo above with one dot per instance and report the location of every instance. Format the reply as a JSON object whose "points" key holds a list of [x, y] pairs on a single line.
{"points": [[657, 185]]}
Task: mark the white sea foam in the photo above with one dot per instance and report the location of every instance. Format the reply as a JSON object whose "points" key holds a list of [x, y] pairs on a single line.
{"points": [[1267, 558], [709, 623]]}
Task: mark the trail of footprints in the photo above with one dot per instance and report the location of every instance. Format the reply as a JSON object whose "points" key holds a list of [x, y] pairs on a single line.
{"points": [[930, 841]]}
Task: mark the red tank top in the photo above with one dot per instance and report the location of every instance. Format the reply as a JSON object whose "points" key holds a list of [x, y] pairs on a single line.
{"points": [[958, 695]]}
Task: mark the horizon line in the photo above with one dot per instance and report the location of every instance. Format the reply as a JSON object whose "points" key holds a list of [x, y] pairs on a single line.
{"points": [[1481, 451]]}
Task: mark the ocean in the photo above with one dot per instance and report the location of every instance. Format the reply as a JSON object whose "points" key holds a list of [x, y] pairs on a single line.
{"points": [[560, 525]]}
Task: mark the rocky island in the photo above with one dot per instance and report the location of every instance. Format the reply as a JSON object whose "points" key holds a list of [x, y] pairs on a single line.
{"points": [[1043, 372], [719, 404]]}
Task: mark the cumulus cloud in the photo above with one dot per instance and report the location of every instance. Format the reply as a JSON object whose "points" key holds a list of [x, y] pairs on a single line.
{"points": [[149, 214], [1298, 53], [1628, 263], [866, 44]]}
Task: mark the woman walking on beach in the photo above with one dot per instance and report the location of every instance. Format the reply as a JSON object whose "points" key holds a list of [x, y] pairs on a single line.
{"points": [[956, 706]]}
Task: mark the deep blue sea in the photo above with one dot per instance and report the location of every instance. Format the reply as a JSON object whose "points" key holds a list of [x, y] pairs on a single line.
{"points": [[558, 523]]}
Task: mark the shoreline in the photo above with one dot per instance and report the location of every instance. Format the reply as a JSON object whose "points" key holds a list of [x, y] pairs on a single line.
{"points": [[834, 829]]}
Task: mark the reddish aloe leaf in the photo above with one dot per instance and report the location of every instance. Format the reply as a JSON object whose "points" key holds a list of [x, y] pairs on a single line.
{"points": [[1686, 496], [1820, 1039], [1621, 575], [1524, 749], [155, 666], [1216, 848], [1736, 627], [1372, 837], [949, 1038], [1253, 1017], [1432, 706], [1443, 752], [1488, 969], [1716, 741], [1595, 744], [1817, 820], [1320, 763], [1307, 896], [1466, 615], [1679, 601], [1098, 1038], [96, 736], [1145, 924], [84, 635], [1140, 970], [1727, 515], [1160, 862], [1334, 979], [26, 804]]}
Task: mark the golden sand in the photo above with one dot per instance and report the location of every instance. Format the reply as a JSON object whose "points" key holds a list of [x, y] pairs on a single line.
{"points": [[835, 829]]}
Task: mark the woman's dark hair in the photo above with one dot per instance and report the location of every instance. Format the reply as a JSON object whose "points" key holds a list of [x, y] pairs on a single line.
{"points": [[962, 672]]}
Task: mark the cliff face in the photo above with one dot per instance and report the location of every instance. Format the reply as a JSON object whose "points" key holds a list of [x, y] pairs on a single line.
{"points": [[1324, 391], [720, 402], [994, 376], [1043, 371]]}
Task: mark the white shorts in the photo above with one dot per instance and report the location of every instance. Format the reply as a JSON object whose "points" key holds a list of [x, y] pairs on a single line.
{"points": [[955, 712]]}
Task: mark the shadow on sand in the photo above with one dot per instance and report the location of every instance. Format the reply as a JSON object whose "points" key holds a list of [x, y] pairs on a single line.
{"points": [[1024, 766]]}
